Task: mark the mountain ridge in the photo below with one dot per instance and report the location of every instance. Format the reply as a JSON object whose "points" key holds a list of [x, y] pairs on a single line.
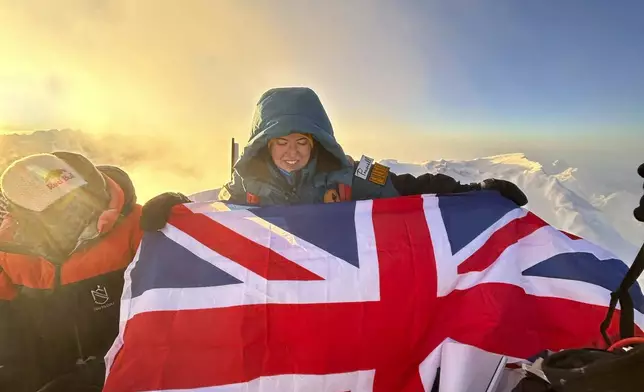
{"points": [[557, 195]]}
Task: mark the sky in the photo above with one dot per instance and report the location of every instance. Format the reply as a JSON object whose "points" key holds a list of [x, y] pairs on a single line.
{"points": [[408, 80]]}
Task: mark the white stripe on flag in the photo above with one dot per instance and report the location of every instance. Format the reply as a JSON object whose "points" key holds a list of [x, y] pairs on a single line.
{"points": [[359, 381]]}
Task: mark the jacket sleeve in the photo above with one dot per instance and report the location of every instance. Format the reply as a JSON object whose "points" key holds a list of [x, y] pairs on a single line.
{"points": [[136, 233], [406, 184], [367, 190], [377, 181]]}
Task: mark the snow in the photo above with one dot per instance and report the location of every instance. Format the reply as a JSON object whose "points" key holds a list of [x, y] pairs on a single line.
{"points": [[566, 197]]}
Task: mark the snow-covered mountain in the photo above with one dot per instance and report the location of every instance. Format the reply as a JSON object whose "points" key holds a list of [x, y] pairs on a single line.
{"points": [[566, 197]]}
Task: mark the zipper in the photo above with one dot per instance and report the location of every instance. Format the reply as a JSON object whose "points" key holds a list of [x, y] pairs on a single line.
{"points": [[292, 195], [57, 286], [57, 278], [81, 358]]}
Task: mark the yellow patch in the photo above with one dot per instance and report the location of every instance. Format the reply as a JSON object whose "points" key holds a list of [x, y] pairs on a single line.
{"points": [[331, 196], [379, 174]]}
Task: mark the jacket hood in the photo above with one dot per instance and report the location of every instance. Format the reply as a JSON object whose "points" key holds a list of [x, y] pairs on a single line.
{"points": [[122, 200], [280, 112]]}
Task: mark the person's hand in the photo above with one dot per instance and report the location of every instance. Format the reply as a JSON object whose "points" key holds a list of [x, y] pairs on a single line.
{"points": [[157, 210], [639, 211], [507, 189]]}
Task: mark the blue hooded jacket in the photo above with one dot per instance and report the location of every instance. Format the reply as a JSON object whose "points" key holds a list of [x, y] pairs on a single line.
{"points": [[280, 112]]}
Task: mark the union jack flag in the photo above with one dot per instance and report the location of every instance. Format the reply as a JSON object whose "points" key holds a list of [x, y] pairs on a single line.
{"points": [[355, 296]]}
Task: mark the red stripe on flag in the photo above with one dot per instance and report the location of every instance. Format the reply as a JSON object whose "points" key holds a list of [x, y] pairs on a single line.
{"points": [[504, 319], [261, 260], [408, 289], [199, 348], [507, 235], [570, 235]]}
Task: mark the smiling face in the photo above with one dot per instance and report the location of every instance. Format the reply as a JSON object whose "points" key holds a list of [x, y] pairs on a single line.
{"points": [[292, 152]]}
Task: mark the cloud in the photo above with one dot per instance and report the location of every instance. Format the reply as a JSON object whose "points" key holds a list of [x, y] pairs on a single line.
{"points": [[198, 65], [158, 66]]}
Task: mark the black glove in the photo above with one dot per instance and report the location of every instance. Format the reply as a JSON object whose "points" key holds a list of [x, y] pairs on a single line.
{"points": [[639, 211], [506, 189], [157, 210]]}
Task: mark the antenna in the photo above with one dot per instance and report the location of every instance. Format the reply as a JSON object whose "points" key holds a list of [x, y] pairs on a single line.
{"points": [[234, 155]]}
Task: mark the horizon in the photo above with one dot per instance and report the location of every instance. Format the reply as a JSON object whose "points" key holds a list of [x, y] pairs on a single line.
{"points": [[595, 204]]}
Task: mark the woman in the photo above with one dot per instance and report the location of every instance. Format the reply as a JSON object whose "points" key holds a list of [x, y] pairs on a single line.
{"points": [[70, 232], [292, 157]]}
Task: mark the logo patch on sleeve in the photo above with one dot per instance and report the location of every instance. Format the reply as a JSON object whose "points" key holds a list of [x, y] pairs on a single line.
{"points": [[379, 174], [364, 166]]}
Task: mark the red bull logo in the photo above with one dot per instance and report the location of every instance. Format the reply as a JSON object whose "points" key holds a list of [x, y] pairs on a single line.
{"points": [[57, 177]]}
